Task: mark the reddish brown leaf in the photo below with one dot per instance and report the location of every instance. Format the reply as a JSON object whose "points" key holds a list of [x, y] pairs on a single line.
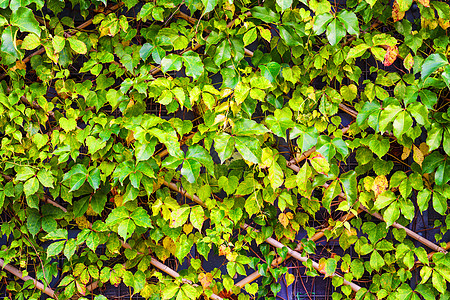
{"points": [[391, 55]]}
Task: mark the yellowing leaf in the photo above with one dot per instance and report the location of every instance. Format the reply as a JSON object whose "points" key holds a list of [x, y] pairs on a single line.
{"points": [[408, 62], [406, 152], [417, 155], [205, 279], [425, 3], [169, 245], [368, 183], [445, 24], [390, 56], [289, 279], [397, 15], [319, 163], [284, 220], [118, 200], [380, 184], [424, 148]]}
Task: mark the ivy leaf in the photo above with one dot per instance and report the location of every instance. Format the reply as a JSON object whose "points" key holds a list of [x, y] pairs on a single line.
{"points": [[265, 14], [224, 145], [46, 178], [248, 127], [209, 5], [141, 218], [30, 42], [94, 178], [8, 44], [25, 20], [31, 186], [193, 64], [350, 21], [384, 199], [402, 123], [171, 62], [77, 45], [280, 122], [223, 53], [320, 23], [335, 32], [432, 63], [117, 215], [387, 116], [126, 228], [249, 148], [349, 183], [392, 213], [376, 260], [197, 217], [55, 248], [333, 190], [284, 4]]}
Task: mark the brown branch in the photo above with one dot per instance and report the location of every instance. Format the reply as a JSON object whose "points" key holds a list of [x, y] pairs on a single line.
{"points": [[46, 290]]}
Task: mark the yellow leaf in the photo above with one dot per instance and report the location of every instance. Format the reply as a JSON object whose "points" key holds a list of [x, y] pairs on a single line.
{"points": [[284, 220], [231, 256], [289, 215], [289, 279], [205, 279], [397, 15], [130, 137], [187, 228], [380, 184], [118, 200], [406, 152], [424, 148], [368, 183], [417, 155], [169, 245]]}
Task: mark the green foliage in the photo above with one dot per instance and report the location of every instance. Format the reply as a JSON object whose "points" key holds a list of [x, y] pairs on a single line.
{"points": [[80, 147]]}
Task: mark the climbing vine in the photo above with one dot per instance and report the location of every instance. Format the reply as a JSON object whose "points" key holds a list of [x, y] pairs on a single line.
{"points": [[138, 133]]}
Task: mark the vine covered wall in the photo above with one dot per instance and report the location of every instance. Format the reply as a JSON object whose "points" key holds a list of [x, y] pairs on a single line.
{"points": [[142, 140]]}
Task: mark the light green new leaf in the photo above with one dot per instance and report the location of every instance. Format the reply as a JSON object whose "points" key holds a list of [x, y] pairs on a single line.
{"points": [[46, 178], [280, 122], [55, 248], [31, 186], [209, 5], [30, 42], [141, 218], [387, 116], [350, 21], [223, 52], [248, 128], [179, 216], [197, 217], [224, 145]]}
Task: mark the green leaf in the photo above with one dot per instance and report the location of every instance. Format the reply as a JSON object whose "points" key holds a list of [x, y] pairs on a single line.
{"points": [[249, 148], [197, 217], [209, 5], [349, 183], [171, 62], [24, 173], [77, 45], [423, 197], [402, 123], [284, 4], [46, 178], [265, 14], [350, 21], [141, 218], [358, 51], [387, 116], [432, 63], [333, 190], [25, 20], [434, 137], [439, 282], [126, 228], [94, 178], [55, 248], [184, 245], [392, 213], [376, 260], [321, 22], [280, 122], [223, 52], [179, 216], [8, 43], [30, 42], [224, 145], [404, 5], [248, 127], [193, 64], [384, 199], [117, 215], [369, 109], [250, 36], [335, 32], [31, 186]]}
